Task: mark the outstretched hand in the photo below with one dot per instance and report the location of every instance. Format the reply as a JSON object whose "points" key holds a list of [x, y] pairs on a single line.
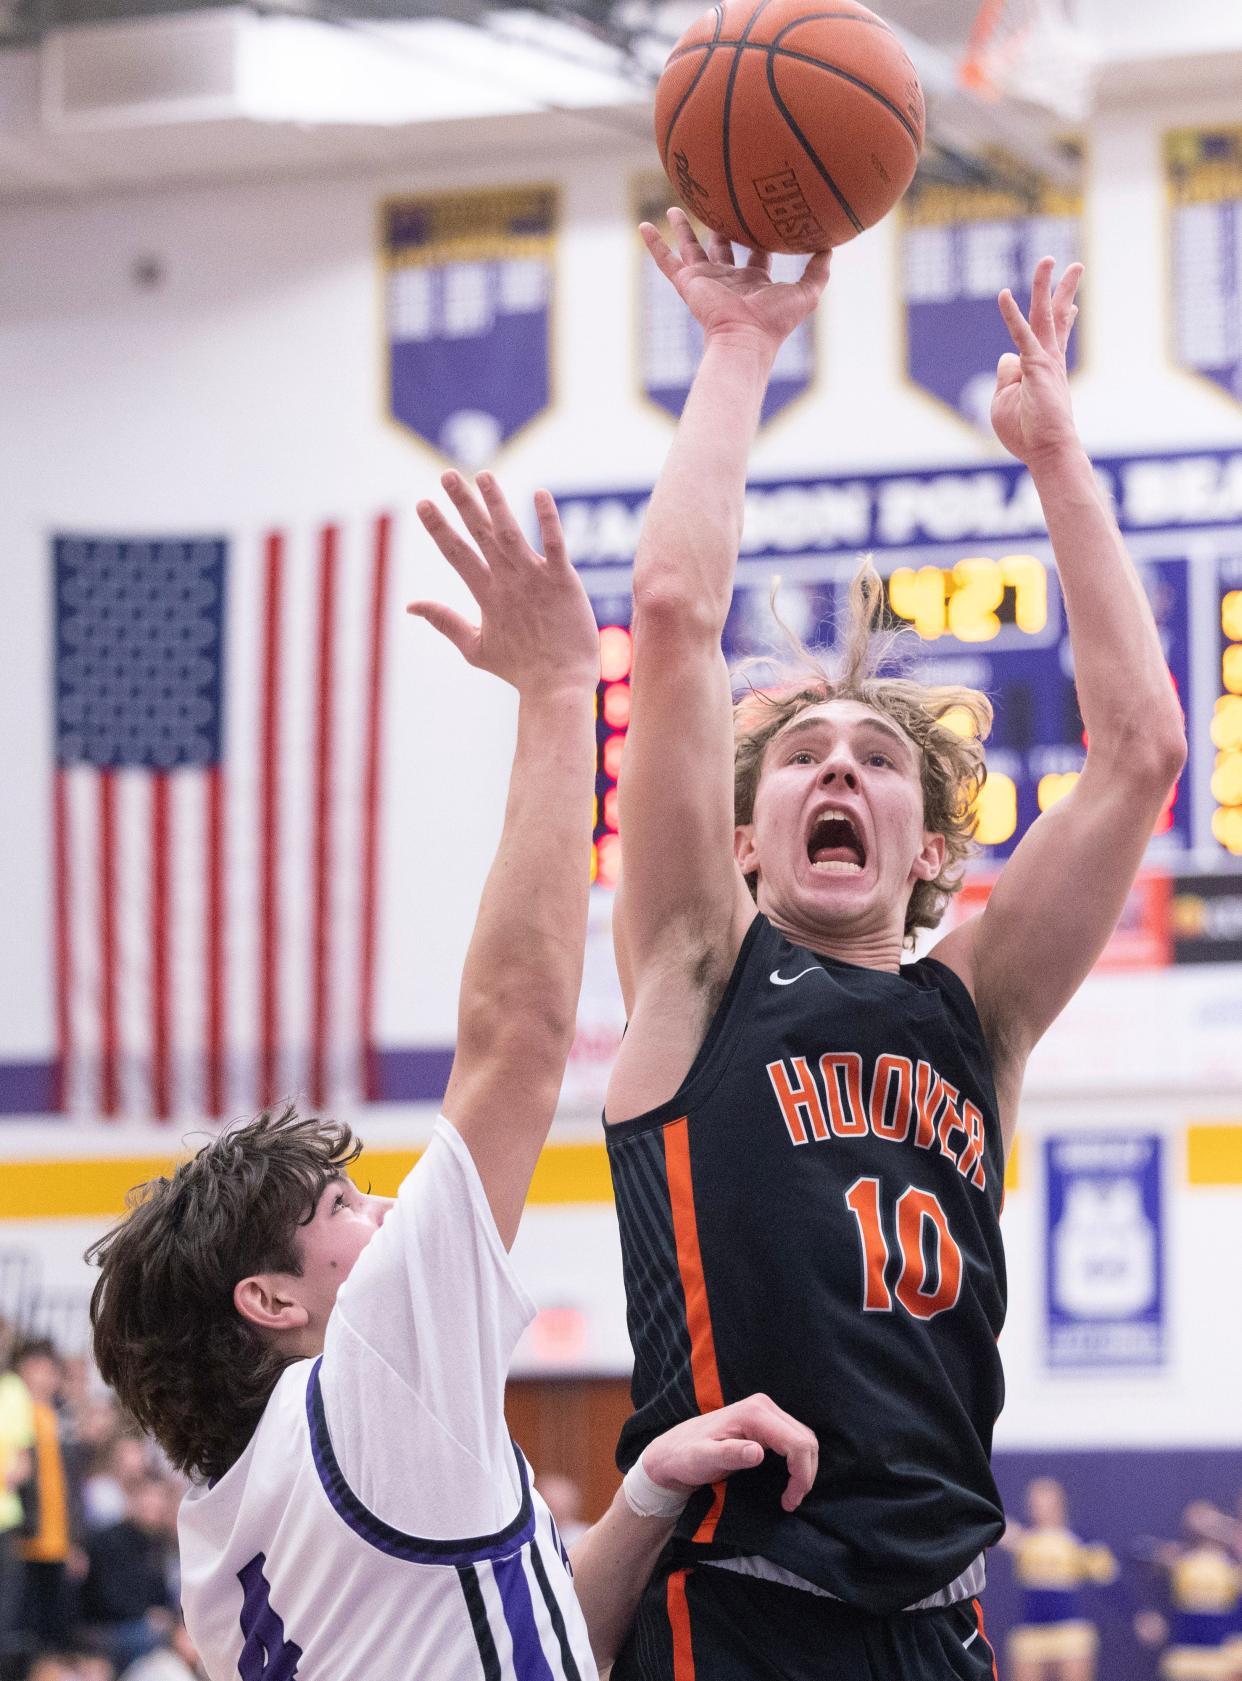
{"points": [[537, 629], [714, 1445], [1031, 411], [728, 300]]}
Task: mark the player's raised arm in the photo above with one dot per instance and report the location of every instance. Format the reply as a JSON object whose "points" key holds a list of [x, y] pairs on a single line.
{"points": [[523, 970], [683, 897], [1059, 897]]}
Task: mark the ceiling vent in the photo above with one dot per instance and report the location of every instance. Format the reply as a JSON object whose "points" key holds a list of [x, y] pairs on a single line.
{"points": [[153, 70]]}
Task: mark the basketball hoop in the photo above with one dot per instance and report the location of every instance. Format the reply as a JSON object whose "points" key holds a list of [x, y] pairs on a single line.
{"points": [[1029, 50]]}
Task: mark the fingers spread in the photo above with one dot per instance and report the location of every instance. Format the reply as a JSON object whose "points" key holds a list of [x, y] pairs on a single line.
{"points": [[460, 632], [666, 259], [1064, 309], [687, 240], [473, 515], [507, 533], [551, 535], [1019, 327], [1041, 303], [720, 249], [816, 271], [469, 566], [1008, 369]]}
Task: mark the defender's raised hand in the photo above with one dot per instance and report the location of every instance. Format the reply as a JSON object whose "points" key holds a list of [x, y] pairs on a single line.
{"points": [[1031, 411], [537, 627], [726, 299]]}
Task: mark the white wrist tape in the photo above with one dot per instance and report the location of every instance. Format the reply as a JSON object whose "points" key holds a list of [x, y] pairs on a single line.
{"points": [[646, 1499]]}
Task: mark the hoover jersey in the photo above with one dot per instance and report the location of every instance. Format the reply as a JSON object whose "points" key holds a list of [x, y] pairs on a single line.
{"points": [[380, 1521], [815, 1215]]}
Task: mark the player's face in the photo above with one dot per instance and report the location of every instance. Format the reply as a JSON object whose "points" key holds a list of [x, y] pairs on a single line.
{"points": [[837, 836], [344, 1222]]}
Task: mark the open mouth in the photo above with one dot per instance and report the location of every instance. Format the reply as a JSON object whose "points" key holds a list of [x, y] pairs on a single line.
{"points": [[835, 844]]}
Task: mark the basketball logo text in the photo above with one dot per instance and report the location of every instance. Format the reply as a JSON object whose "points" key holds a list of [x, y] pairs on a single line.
{"points": [[906, 1100], [693, 192], [785, 205]]}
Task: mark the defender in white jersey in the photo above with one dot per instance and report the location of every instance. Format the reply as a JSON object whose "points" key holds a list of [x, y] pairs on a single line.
{"points": [[329, 1366]]}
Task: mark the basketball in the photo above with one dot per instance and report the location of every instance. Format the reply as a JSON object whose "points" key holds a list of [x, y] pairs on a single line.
{"points": [[787, 127]]}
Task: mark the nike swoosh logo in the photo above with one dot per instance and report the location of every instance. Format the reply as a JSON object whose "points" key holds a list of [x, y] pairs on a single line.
{"points": [[777, 979]]}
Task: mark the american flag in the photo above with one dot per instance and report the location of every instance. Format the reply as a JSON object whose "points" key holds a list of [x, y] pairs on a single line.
{"points": [[216, 818]]}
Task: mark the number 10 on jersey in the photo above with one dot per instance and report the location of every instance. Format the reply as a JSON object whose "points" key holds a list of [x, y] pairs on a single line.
{"points": [[917, 1214]]}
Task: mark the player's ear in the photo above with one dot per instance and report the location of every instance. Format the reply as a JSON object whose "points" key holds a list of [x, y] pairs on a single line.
{"points": [[744, 848], [265, 1300], [930, 860]]}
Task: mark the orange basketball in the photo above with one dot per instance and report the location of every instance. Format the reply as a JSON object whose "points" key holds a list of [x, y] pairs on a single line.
{"points": [[789, 127]]}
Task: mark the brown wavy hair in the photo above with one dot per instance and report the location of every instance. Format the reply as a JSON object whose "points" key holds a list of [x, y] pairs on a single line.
{"points": [[951, 759], [167, 1336]]}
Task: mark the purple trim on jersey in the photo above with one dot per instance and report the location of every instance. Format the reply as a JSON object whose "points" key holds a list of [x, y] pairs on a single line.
{"points": [[529, 1662], [414, 1549]]}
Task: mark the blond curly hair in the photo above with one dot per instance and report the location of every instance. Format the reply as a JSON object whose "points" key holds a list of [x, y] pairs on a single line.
{"points": [[951, 757]]}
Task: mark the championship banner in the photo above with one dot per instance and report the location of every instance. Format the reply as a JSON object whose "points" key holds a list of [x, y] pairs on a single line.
{"points": [[1203, 170], [670, 340], [468, 289], [1104, 1269], [960, 244]]}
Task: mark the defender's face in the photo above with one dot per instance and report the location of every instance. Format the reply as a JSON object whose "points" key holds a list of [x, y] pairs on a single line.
{"points": [[837, 837], [344, 1222]]}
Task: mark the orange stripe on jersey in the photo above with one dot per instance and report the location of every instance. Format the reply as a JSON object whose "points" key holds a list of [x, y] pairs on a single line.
{"points": [[983, 1633], [707, 1391], [679, 1623]]}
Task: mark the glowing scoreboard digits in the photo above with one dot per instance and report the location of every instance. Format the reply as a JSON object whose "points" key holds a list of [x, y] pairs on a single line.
{"points": [[994, 622], [965, 600], [1226, 731]]}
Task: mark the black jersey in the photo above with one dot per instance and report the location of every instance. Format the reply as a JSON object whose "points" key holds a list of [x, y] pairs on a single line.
{"points": [[815, 1215]]}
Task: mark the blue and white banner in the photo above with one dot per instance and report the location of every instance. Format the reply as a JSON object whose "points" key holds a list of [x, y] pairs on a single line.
{"points": [[468, 297], [1203, 170], [960, 244], [670, 340], [1104, 1252]]}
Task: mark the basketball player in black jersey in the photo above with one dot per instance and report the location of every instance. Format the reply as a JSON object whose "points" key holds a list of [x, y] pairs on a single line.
{"points": [[808, 1138]]}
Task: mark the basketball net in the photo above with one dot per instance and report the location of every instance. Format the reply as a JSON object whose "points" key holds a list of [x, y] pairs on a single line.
{"points": [[1029, 50]]}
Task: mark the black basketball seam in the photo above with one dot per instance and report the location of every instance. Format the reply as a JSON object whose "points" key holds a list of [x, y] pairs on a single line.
{"points": [[846, 76], [707, 48], [728, 104], [806, 147], [803, 58]]}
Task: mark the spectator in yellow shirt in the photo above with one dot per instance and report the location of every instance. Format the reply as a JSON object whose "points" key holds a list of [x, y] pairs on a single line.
{"points": [[46, 1549], [16, 1441]]}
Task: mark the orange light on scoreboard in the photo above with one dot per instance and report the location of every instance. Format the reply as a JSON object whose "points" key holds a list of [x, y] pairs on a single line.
{"points": [[966, 600], [616, 653], [616, 658], [1227, 729]]}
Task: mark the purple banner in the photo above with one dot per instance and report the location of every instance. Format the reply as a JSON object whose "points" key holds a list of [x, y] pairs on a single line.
{"points": [[1204, 173], [468, 288], [670, 340], [960, 244], [1104, 1272]]}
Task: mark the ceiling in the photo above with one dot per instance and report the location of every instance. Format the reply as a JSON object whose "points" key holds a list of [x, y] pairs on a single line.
{"points": [[102, 95]]}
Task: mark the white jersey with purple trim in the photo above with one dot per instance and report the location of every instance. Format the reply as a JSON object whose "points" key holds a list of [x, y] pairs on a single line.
{"points": [[380, 1522]]}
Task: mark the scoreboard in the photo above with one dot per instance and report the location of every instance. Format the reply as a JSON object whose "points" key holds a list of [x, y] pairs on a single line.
{"points": [[968, 574]]}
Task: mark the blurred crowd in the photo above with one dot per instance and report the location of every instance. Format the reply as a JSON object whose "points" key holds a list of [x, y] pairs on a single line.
{"points": [[88, 1541]]}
